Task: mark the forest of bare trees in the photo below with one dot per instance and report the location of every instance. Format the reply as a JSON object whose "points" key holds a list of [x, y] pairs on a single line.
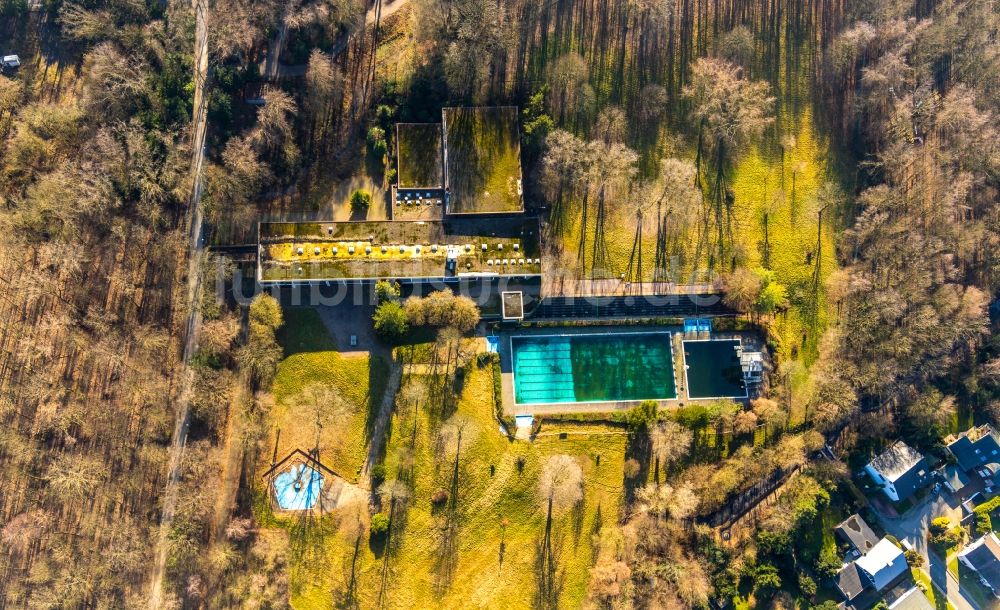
{"points": [[635, 114]]}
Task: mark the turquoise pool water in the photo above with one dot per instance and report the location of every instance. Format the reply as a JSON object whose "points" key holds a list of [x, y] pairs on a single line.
{"points": [[592, 368], [713, 369]]}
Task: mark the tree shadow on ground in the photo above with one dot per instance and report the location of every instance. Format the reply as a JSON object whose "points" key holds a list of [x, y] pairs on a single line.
{"points": [[550, 575]]}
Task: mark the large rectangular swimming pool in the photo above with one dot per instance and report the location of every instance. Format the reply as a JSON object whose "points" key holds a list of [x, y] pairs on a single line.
{"points": [[592, 368], [713, 369]]}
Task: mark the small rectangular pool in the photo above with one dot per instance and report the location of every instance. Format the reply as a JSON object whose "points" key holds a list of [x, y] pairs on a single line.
{"points": [[592, 368], [712, 369]]}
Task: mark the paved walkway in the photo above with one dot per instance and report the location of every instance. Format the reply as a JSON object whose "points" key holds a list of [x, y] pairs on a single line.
{"points": [[382, 421]]}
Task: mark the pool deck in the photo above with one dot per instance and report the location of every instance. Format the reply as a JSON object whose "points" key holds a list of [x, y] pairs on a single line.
{"points": [[511, 408]]}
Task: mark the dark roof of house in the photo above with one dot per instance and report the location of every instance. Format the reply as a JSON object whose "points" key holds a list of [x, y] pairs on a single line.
{"points": [[976, 447], [913, 599], [851, 581], [856, 532], [984, 556], [903, 466]]}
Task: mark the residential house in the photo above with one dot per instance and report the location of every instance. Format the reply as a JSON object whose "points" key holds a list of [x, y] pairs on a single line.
{"points": [[983, 557], [977, 452], [863, 580], [913, 599], [855, 532], [900, 471]]}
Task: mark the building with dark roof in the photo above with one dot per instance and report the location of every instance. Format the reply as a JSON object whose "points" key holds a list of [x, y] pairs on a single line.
{"points": [[851, 583], [413, 252], [913, 599], [863, 580], [977, 450], [983, 557], [855, 532], [900, 471]]}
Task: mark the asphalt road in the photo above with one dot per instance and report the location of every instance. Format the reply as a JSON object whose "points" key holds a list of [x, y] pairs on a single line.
{"points": [[913, 526]]}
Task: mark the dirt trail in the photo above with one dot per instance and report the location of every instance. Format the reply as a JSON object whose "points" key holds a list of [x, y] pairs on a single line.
{"points": [[232, 464], [384, 413], [195, 247]]}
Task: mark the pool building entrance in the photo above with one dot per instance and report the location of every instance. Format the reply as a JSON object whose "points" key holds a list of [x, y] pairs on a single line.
{"points": [[574, 368]]}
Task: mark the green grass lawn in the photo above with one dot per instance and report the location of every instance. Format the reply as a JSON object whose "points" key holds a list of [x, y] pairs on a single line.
{"points": [[484, 159], [484, 564], [937, 597], [303, 331], [419, 155], [359, 380], [760, 183]]}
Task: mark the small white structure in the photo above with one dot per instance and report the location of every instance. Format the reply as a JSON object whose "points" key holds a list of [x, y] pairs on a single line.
{"points": [[752, 364], [11, 61], [512, 305]]}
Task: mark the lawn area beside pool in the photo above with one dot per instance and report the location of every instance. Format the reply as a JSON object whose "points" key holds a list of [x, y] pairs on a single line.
{"points": [[358, 379], [483, 554]]}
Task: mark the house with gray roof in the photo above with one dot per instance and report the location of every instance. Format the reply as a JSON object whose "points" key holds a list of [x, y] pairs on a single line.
{"points": [[863, 580], [913, 599], [855, 532], [977, 450], [983, 557], [900, 471]]}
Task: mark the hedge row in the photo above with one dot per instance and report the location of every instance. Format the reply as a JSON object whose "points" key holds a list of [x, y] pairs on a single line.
{"points": [[984, 524]]}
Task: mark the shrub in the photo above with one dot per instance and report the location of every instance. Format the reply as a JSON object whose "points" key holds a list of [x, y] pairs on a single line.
{"points": [[631, 468], [913, 558], [497, 387], [828, 565], [807, 585], [939, 526], [360, 201], [378, 473], [947, 539], [389, 320], [380, 524], [386, 290], [439, 497], [984, 523]]}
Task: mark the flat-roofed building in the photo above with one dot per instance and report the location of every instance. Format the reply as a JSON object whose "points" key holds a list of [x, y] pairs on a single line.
{"points": [[358, 252]]}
